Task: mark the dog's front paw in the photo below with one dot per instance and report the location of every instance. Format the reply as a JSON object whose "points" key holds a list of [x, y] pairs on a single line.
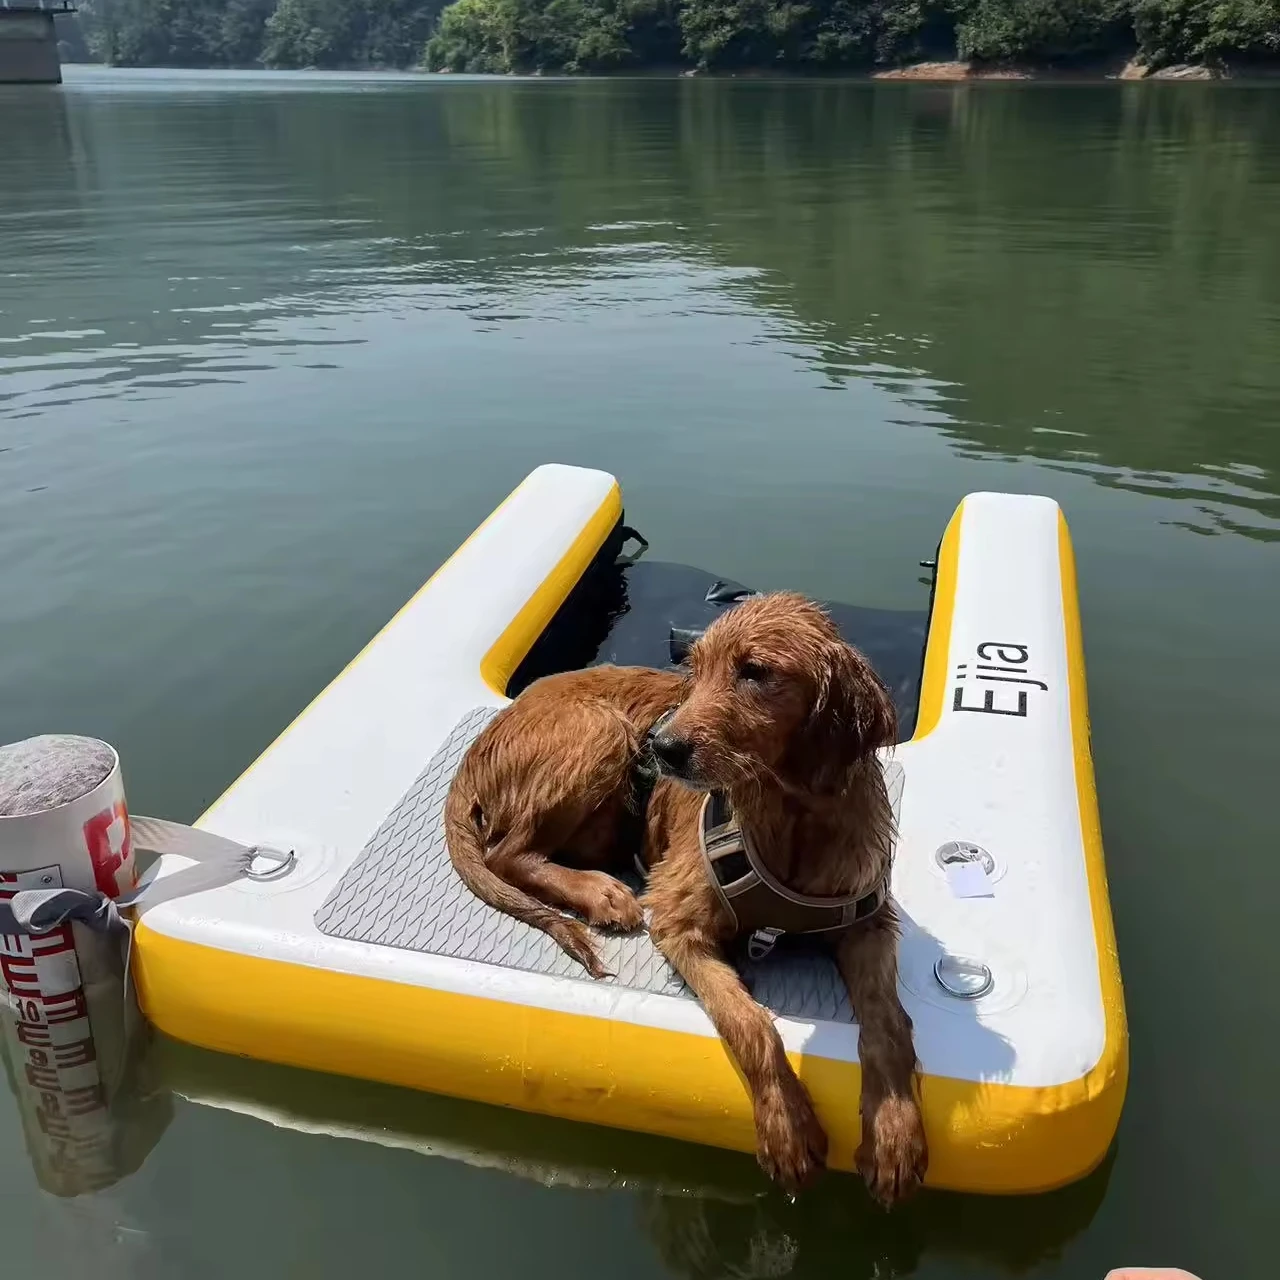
{"points": [[615, 906], [893, 1155], [791, 1142]]}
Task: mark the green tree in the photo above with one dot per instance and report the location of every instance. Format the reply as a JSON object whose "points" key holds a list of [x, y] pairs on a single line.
{"points": [[554, 35], [820, 33], [175, 33], [476, 36], [238, 33], [1042, 30], [1207, 30], [243, 27], [348, 33]]}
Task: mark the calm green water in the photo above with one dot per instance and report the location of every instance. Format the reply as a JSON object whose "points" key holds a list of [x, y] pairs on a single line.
{"points": [[271, 346]]}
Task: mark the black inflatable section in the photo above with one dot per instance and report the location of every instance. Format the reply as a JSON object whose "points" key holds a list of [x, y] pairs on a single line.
{"points": [[645, 615]]}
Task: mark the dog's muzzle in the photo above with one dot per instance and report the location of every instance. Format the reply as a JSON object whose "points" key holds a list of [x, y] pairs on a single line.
{"points": [[672, 754], [663, 752]]}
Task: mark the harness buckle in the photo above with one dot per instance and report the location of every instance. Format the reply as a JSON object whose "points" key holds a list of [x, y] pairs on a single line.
{"points": [[762, 942]]}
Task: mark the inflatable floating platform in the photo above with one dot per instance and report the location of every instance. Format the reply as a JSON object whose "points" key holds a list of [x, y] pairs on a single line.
{"points": [[366, 957]]}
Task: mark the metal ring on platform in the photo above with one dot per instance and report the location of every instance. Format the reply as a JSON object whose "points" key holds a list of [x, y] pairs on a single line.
{"points": [[283, 864], [964, 979], [957, 851]]}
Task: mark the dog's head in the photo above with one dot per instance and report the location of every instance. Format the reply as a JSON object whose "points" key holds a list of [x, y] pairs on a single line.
{"points": [[775, 692]]}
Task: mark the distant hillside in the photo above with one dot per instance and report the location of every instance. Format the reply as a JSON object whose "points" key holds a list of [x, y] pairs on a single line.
{"points": [[716, 35]]}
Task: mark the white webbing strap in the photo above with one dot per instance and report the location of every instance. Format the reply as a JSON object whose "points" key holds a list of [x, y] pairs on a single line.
{"points": [[215, 860]]}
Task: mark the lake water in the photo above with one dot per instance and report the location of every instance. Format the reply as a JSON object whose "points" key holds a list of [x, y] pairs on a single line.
{"points": [[270, 346]]}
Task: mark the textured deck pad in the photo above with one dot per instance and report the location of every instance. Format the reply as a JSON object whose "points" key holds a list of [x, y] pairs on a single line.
{"points": [[402, 892]]}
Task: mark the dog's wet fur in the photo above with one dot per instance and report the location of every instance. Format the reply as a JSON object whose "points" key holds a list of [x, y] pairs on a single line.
{"points": [[785, 718]]}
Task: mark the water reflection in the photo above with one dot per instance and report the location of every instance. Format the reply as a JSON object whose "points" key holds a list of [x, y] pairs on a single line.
{"points": [[1092, 281], [75, 1053], [836, 1231], [706, 1212]]}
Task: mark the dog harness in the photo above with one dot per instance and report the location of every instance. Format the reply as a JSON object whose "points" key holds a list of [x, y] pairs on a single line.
{"points": [[761, 905]]}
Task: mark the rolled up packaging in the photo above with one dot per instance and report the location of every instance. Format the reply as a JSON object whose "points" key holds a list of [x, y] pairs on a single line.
{"points": [[70, 1033]]}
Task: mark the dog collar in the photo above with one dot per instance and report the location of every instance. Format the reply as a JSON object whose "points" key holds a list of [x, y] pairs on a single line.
{"points": [[644, 777]]}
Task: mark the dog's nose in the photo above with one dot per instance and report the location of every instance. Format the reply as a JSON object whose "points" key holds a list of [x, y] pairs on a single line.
{"points": [[673, 753]]}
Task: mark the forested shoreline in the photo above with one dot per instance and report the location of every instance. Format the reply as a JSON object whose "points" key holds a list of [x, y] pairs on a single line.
{"points": [[585, 36]]}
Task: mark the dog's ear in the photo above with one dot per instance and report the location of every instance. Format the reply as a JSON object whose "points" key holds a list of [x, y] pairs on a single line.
{"points": [[852, 716]]}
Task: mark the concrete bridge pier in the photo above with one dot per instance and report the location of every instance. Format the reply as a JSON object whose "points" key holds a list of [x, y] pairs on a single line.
{"points": [[28, 42]]}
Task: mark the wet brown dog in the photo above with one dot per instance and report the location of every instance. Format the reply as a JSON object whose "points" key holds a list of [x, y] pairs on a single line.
{"points": [[781, 715]]}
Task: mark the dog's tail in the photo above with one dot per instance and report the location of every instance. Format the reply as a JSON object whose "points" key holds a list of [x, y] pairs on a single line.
{"points": [[465, 838]]}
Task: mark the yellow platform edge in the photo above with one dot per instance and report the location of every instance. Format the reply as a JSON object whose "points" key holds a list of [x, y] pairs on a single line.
{"points": [[983, 1137]]}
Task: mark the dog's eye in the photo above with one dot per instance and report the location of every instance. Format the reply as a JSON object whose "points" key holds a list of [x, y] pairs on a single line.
{"points": [[755, 672]]}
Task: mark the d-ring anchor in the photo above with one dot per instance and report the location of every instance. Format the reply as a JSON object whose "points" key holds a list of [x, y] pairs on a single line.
{"points": [[278, 862], [965, 979], [958, 851]]}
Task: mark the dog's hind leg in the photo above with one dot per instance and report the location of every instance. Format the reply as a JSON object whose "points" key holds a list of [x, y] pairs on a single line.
{"points": [[595, 895], [526, 788], [476, 867], [575, 793]]}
